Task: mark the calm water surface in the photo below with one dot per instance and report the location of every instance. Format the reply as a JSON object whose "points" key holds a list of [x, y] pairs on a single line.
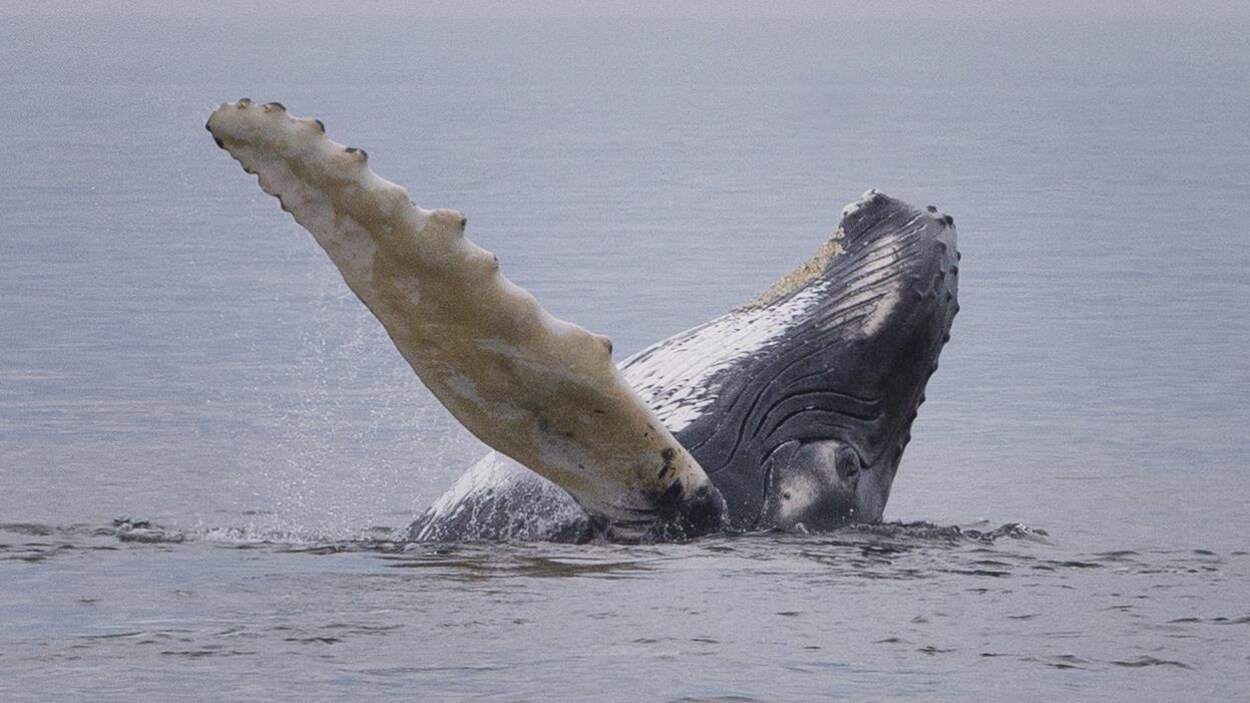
{"points": [[174, 349]]}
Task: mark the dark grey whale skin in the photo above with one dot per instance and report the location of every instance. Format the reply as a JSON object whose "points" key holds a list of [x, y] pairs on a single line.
{"points": [[832, 404], [806, 432]]}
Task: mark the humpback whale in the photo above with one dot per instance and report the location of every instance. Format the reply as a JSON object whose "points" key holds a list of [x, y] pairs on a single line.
{"points": [[790, 412]]}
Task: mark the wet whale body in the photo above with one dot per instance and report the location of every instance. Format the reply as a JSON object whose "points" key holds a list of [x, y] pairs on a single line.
{"points": [[791, 412]]}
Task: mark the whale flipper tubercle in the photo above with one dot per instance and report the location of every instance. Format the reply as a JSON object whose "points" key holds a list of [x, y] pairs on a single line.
{"points": [[538, 389]]}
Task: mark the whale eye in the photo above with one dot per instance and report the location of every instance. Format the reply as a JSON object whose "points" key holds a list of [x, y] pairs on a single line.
{"points": [[847, 462]]}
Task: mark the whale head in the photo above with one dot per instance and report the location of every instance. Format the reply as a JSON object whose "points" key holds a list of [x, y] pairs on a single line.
{"points": [[801, 425]]}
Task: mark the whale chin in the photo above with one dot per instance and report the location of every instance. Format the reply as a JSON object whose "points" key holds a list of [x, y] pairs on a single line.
{"points": [[812, 486]]}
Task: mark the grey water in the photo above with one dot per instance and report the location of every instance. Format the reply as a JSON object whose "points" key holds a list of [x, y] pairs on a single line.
{"points": [[206, 441]]}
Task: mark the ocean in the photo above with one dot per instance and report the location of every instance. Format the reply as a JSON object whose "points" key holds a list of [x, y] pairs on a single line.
{"points": [[206, 442]]}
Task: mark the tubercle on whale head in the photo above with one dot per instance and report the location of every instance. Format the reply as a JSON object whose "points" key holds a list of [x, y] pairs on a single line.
{"points": [[919, 245]]}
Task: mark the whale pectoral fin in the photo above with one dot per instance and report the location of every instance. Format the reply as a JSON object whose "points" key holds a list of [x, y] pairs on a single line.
{"points": [[540, 390]]}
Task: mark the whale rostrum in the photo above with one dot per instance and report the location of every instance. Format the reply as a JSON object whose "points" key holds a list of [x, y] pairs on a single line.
{"points": [[790, 412]]}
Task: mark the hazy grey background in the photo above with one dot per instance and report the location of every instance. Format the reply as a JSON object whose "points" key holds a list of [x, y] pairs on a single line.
{"points": [[1118, 10], [172, 346]]}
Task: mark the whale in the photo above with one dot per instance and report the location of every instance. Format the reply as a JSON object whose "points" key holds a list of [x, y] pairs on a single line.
{"points": [[790, 412]]}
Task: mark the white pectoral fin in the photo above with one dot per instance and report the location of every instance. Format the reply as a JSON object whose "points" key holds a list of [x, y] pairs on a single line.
{"points": [[540, 390]]}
